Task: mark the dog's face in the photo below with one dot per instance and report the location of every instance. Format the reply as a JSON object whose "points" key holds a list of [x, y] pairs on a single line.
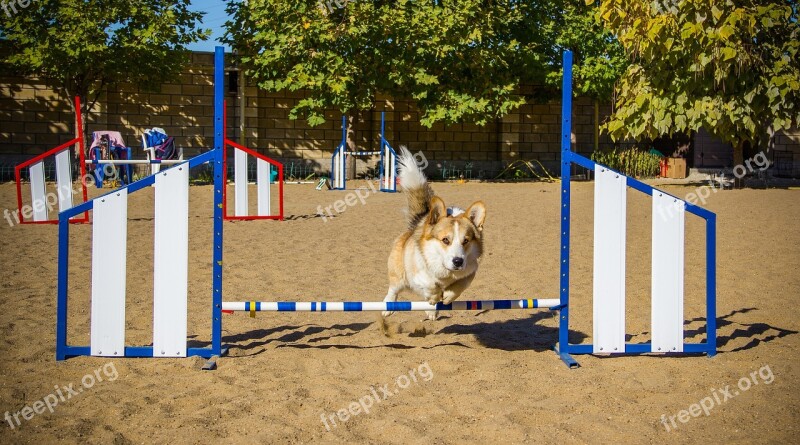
{"points": [[454, 242]]}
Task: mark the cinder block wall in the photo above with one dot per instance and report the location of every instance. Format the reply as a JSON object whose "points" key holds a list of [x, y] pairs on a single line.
{"points": [[34, 118], [787, 152]]}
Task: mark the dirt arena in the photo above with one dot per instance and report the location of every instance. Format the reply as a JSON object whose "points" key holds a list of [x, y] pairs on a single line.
{"points": [[466, 378]]}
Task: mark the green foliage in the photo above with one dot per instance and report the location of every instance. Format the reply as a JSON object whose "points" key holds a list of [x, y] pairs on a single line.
{"points": [[599, 60], [633, 161], [81, 46], [461, 60], [732, 68]]}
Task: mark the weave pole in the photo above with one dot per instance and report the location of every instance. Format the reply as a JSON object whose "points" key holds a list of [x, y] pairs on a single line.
{"points": [[394, 306]]}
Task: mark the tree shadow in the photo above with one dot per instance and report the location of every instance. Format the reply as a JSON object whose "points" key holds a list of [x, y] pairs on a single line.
{"points": [[757, 332], [260, 337], [520, 334], [307, 216]]}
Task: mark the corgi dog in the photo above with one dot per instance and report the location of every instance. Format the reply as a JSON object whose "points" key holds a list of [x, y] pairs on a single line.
{"points": [[438, 255]]}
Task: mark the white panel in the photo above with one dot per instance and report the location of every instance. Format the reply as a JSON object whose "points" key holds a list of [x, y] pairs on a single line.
{"points": [[387, 162], [171, 262], [109, 253], [263, 171], [338, 169], [342, 160], [609, 261], [385, 172], [667, 283], [38, 199], [64, 180], [240, 181], [392, 171]]}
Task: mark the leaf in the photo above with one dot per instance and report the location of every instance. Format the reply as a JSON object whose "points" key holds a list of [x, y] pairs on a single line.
{"points": [[716, 13], [614, 125], [728, 53], [725, 32]]}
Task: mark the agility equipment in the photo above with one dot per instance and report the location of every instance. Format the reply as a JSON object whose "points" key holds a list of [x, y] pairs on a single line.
{"points": [[38, 186], [40, 199], [107, 336], [387, 167], [264, 165], [668, 213], [160, 147], [396, 306]]}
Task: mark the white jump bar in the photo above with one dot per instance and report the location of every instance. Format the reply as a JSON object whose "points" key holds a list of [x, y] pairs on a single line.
{"points": [[135, 161]]}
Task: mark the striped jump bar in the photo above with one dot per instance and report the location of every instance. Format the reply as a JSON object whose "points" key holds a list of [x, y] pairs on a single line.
{"points": [[399, 306]]}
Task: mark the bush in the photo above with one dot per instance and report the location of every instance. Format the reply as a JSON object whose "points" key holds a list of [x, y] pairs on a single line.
{"points": [[632, 161]]}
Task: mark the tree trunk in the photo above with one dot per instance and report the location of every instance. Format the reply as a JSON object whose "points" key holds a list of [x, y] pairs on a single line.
{"points": [[596, 125], [738, 159]]}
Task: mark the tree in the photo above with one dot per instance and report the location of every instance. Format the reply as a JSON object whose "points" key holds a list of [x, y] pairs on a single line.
{"points": [[732, 68], [81, 47], [461, 60], [599, 59]]}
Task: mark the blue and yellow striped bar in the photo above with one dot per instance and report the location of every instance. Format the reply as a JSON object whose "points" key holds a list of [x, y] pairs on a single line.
{"points": [[398, 306]]}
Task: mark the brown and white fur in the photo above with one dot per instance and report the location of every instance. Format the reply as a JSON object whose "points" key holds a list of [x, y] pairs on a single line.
{"points": [[437, 257]]}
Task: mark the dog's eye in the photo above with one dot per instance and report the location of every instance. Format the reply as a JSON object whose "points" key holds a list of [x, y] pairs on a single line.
{"points": [[466, 240], [446, 241]]}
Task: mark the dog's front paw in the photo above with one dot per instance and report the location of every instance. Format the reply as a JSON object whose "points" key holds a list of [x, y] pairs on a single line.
{"points": [[449, 299], [387, 313]]}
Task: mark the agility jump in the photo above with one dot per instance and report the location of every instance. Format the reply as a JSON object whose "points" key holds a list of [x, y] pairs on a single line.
{"points": [[388, 164], [264, 166], [171, 247], [38, 186], [64, 176]]}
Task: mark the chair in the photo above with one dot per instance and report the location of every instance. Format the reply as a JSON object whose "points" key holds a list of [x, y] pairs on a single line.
{"points": [[158, 146], [109, 145]]}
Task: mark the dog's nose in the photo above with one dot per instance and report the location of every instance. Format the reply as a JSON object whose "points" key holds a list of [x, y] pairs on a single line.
{"points": [[458, 261]]}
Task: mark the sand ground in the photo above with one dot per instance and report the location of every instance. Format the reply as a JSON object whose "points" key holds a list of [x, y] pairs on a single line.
{"points": [[466, 378]]}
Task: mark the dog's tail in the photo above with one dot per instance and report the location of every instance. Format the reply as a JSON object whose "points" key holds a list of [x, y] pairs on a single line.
{"points": [[415, 185]]}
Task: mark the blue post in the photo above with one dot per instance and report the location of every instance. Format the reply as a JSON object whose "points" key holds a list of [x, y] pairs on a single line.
{"points": [[63, 274], [385, 148], [99, 174], [219, 183], [129, 167], [566, 165], [711, 284], [381, 146], [343, 151]]}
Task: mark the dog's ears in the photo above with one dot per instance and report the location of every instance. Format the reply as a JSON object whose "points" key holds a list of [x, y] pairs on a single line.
{"points": [[438, 210], [477, 214]]}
